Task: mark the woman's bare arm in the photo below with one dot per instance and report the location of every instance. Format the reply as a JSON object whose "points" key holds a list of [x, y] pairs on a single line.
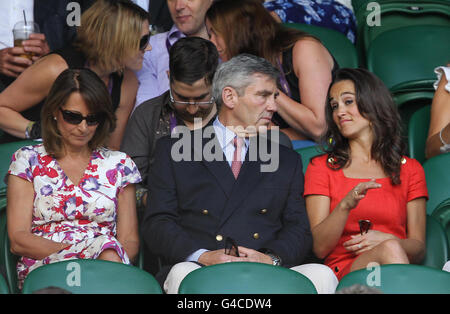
{"points": [[30, 88]]}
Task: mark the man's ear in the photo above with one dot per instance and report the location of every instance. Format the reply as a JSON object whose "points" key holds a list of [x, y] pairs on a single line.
{"points": [[229, 97]]}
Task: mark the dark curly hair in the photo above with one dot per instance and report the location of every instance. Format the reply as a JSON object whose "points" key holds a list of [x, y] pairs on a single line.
{"points": [[375, 104]]}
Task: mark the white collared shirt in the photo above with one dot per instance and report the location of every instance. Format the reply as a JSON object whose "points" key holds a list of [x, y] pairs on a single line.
{"points": [[11, 12], [225, 137], [142, 3], [153, 77]]}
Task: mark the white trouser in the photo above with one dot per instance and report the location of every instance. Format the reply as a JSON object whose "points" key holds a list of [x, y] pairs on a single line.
{"points": [[323, 278], [446, 266]]}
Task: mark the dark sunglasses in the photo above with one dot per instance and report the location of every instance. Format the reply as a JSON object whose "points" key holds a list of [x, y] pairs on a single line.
{"points": [[231, 247], [364, 226], [76, 118], [143, 43]]}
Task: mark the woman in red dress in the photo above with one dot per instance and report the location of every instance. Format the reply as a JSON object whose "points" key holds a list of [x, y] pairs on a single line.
{"points": [[365, 176]]}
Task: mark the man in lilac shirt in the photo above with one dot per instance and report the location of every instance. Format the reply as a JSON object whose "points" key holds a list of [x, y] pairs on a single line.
{"points": [[189, 20]]}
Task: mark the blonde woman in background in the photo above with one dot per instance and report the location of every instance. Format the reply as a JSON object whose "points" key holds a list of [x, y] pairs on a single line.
{"points": [[111, 41]]}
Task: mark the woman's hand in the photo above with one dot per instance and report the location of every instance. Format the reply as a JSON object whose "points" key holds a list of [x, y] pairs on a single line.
{"points": [[353, 197], [362, 243]]}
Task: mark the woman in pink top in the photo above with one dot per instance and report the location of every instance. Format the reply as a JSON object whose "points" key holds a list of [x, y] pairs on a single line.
{"points": [[365, 177]]}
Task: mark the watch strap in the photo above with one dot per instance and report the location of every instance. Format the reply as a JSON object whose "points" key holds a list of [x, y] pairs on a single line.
{"points": [[276, 260]]}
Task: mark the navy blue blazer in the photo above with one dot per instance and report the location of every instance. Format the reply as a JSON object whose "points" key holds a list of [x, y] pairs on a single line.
{"points": [[196, 204], [51, 15]]}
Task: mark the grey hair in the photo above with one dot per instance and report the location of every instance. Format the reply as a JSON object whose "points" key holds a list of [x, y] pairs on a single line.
{"points": [[237, 73]]}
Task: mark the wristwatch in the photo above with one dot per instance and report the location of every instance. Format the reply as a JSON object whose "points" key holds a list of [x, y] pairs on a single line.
{"points": [[276, 260]]}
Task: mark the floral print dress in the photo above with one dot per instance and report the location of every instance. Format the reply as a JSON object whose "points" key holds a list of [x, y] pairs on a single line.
{"points": [[325, 13], [83, 215]]}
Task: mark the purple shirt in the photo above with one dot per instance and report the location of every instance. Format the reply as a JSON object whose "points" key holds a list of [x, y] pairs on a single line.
{"points": [[153, 77]]}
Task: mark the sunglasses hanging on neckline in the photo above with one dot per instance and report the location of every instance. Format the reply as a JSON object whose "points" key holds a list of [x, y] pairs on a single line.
{"points": [[364, 226]]}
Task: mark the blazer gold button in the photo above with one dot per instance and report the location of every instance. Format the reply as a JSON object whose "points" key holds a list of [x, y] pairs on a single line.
{"points": [[263, 211], [256, 236], [219, 237], [205, 212]]}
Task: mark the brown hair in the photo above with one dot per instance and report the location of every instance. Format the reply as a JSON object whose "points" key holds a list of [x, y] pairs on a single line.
{"points": [[110, 32], [94, 93], [247, 27], [374, 103]]}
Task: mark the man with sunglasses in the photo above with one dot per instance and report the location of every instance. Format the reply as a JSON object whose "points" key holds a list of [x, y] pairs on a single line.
{"points": [[189, 20], [231, 208], [193, 61]]}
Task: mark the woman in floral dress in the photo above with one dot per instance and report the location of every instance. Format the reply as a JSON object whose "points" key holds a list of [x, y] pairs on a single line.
{"points": [[70, 197], [333, 14]]}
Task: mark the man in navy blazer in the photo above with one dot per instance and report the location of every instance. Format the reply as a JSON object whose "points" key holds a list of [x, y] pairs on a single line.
{"points": [[202, 194]]}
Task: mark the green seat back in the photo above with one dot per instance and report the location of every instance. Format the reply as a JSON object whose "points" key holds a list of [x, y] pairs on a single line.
{"points": [[437, 173], [394, 14], [245, 278], [409, 53], [339, 46], [307, 153], [3, 286], [437, 245], [442, 215], [418, 132], [7, 259], [408, 102], [400, 279], [2, 235], [89, 276], [6, 152]]}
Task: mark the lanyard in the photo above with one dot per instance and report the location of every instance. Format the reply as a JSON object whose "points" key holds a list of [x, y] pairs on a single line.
{"points": [[173, 121], [168, 44]]}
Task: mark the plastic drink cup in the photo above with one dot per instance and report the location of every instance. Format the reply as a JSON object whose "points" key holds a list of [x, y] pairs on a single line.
{"points": [[21, 32]]}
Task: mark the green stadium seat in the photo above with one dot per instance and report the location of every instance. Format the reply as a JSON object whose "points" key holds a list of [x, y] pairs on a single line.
{"points": [[400, 279], [409, 101], [339, 46], [245, 278], [436, 243], [404, 59], [6, 152], [409, 53], [394, 14], [89, 276], [417, 133], [3, 286], [442, 215], [8, 260], [307, 153], [437, 174]]}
